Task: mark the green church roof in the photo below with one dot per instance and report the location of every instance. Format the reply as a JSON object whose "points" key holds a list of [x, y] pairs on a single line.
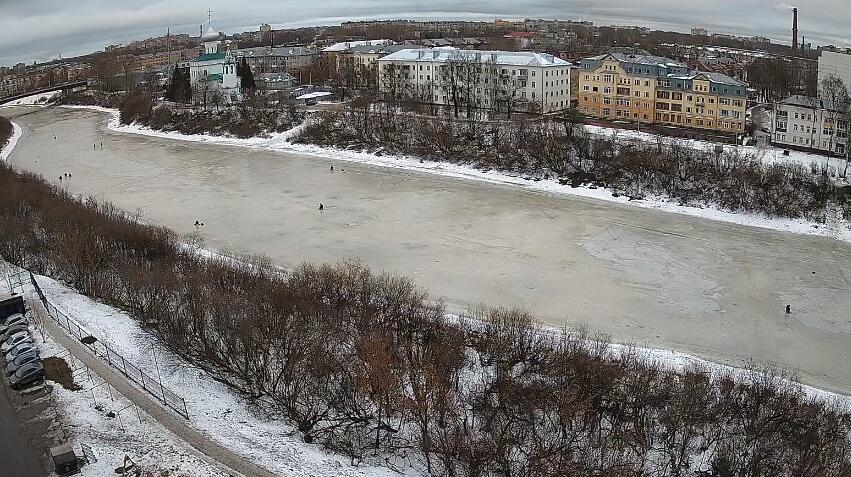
{"points": [[214, 78], [210, 56]]}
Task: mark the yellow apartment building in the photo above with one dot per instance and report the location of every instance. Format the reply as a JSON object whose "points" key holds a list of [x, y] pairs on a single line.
{"points": [[655, 90]]}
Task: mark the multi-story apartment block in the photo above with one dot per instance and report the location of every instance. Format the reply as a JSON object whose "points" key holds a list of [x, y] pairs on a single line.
{"points": [[835, 63], [651, 89], [165, 59], [366, 56], [810, 123], [488, 79], [289, 59]]}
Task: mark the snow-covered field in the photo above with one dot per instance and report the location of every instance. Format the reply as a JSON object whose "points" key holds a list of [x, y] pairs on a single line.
{"points": [[837, 229], [33, 100], [767, 154], [147, 443]]}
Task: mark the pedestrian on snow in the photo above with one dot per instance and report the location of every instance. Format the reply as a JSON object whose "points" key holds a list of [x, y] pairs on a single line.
{"points": [[321, 207], [788, 309], [332, 167]]}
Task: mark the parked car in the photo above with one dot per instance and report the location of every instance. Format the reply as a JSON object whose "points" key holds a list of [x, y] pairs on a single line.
{"points": [[14, 339], [21, 360], [20, 348], [14, 329], [17, 320], [26, 375], [13, 316]]}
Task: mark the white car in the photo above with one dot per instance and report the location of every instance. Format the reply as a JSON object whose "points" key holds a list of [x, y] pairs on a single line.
{"points": [[15, 340]]}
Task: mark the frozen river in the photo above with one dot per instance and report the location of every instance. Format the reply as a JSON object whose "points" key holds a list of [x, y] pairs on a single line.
{"points": [[646, 277]]}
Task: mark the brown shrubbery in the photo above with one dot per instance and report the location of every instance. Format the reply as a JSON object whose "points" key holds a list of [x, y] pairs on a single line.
{"points": [[561, 149], [367, 365], [6, 131], [245, 121]]}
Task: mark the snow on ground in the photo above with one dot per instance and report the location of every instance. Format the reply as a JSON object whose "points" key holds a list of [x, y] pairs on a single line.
{"points": [[838, 228], [13, 141], [148, 444], [32, 100], [768, 153], [214, 408], [220, 412]]}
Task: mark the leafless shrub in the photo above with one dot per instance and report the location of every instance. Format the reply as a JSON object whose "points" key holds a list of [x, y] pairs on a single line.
{"points": [[367, 365]]}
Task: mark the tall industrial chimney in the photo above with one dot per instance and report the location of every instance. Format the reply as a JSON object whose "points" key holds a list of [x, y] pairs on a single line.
{"points": [[794, 28]]}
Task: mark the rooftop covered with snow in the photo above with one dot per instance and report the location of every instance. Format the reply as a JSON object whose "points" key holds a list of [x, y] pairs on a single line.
{"points": [[513, 58], [346, 45]]}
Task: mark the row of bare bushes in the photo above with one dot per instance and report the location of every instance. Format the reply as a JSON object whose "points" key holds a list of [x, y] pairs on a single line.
{"points": [[92, 98], [366, 364], [244, 121], [6, 131], [561, 148], [252, 118]]}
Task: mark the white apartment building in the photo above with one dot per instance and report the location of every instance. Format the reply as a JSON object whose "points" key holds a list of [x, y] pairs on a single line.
{"points": [[529, 81], [837, 64], [801, 122]]}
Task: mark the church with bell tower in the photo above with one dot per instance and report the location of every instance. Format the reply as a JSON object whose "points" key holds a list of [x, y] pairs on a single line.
{"points": [[213, 74]]}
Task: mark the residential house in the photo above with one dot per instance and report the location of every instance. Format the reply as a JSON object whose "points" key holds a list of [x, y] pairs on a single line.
{"points": [[811, 123], [650, 89], [492, 80]]}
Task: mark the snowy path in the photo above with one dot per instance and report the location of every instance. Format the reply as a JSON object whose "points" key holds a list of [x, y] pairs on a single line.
{"points": [[215, 452]]}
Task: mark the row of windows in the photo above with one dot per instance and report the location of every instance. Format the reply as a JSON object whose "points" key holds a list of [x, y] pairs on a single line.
{"points": [[805, 141], [670, 118]]}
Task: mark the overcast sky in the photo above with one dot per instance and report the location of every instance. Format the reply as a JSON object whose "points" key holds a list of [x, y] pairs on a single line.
{"points": [[42, 29]]}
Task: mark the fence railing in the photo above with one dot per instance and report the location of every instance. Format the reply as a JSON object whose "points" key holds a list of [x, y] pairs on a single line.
{"points": [[152, 385]]}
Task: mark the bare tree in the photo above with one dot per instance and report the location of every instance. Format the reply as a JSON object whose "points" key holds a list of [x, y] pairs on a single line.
{"points": [[835, 95]]}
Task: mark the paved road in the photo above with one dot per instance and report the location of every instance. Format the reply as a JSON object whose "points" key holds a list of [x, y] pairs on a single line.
{"points": [[227, 460], [16, 458], [656, 279]]}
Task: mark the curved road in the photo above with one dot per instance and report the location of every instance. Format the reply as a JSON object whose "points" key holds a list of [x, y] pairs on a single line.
{"points": [[656, 279]]}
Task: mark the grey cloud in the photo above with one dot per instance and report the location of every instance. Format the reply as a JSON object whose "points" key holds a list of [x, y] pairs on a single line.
{"points": [[41, 29]]}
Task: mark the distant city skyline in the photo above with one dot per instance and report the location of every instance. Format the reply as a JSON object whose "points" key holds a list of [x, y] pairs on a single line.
{"points": [[41, 30]]}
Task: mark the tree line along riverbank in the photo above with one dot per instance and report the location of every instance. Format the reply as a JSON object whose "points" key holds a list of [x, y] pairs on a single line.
{"points": [[548, 148], [6, 131], [369, 366]]}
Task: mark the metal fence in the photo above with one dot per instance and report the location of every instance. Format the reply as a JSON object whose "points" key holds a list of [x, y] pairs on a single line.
{"points": [[101, 349]]}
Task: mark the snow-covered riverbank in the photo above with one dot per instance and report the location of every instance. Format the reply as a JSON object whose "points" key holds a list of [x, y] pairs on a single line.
{"points": [[13, 141], [837, 228]]}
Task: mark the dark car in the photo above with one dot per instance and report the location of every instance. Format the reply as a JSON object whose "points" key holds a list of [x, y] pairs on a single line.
{"points": [[21, 348], [14, 329], [10, 322], [26, 375], [21, 360], [13, 316]]}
